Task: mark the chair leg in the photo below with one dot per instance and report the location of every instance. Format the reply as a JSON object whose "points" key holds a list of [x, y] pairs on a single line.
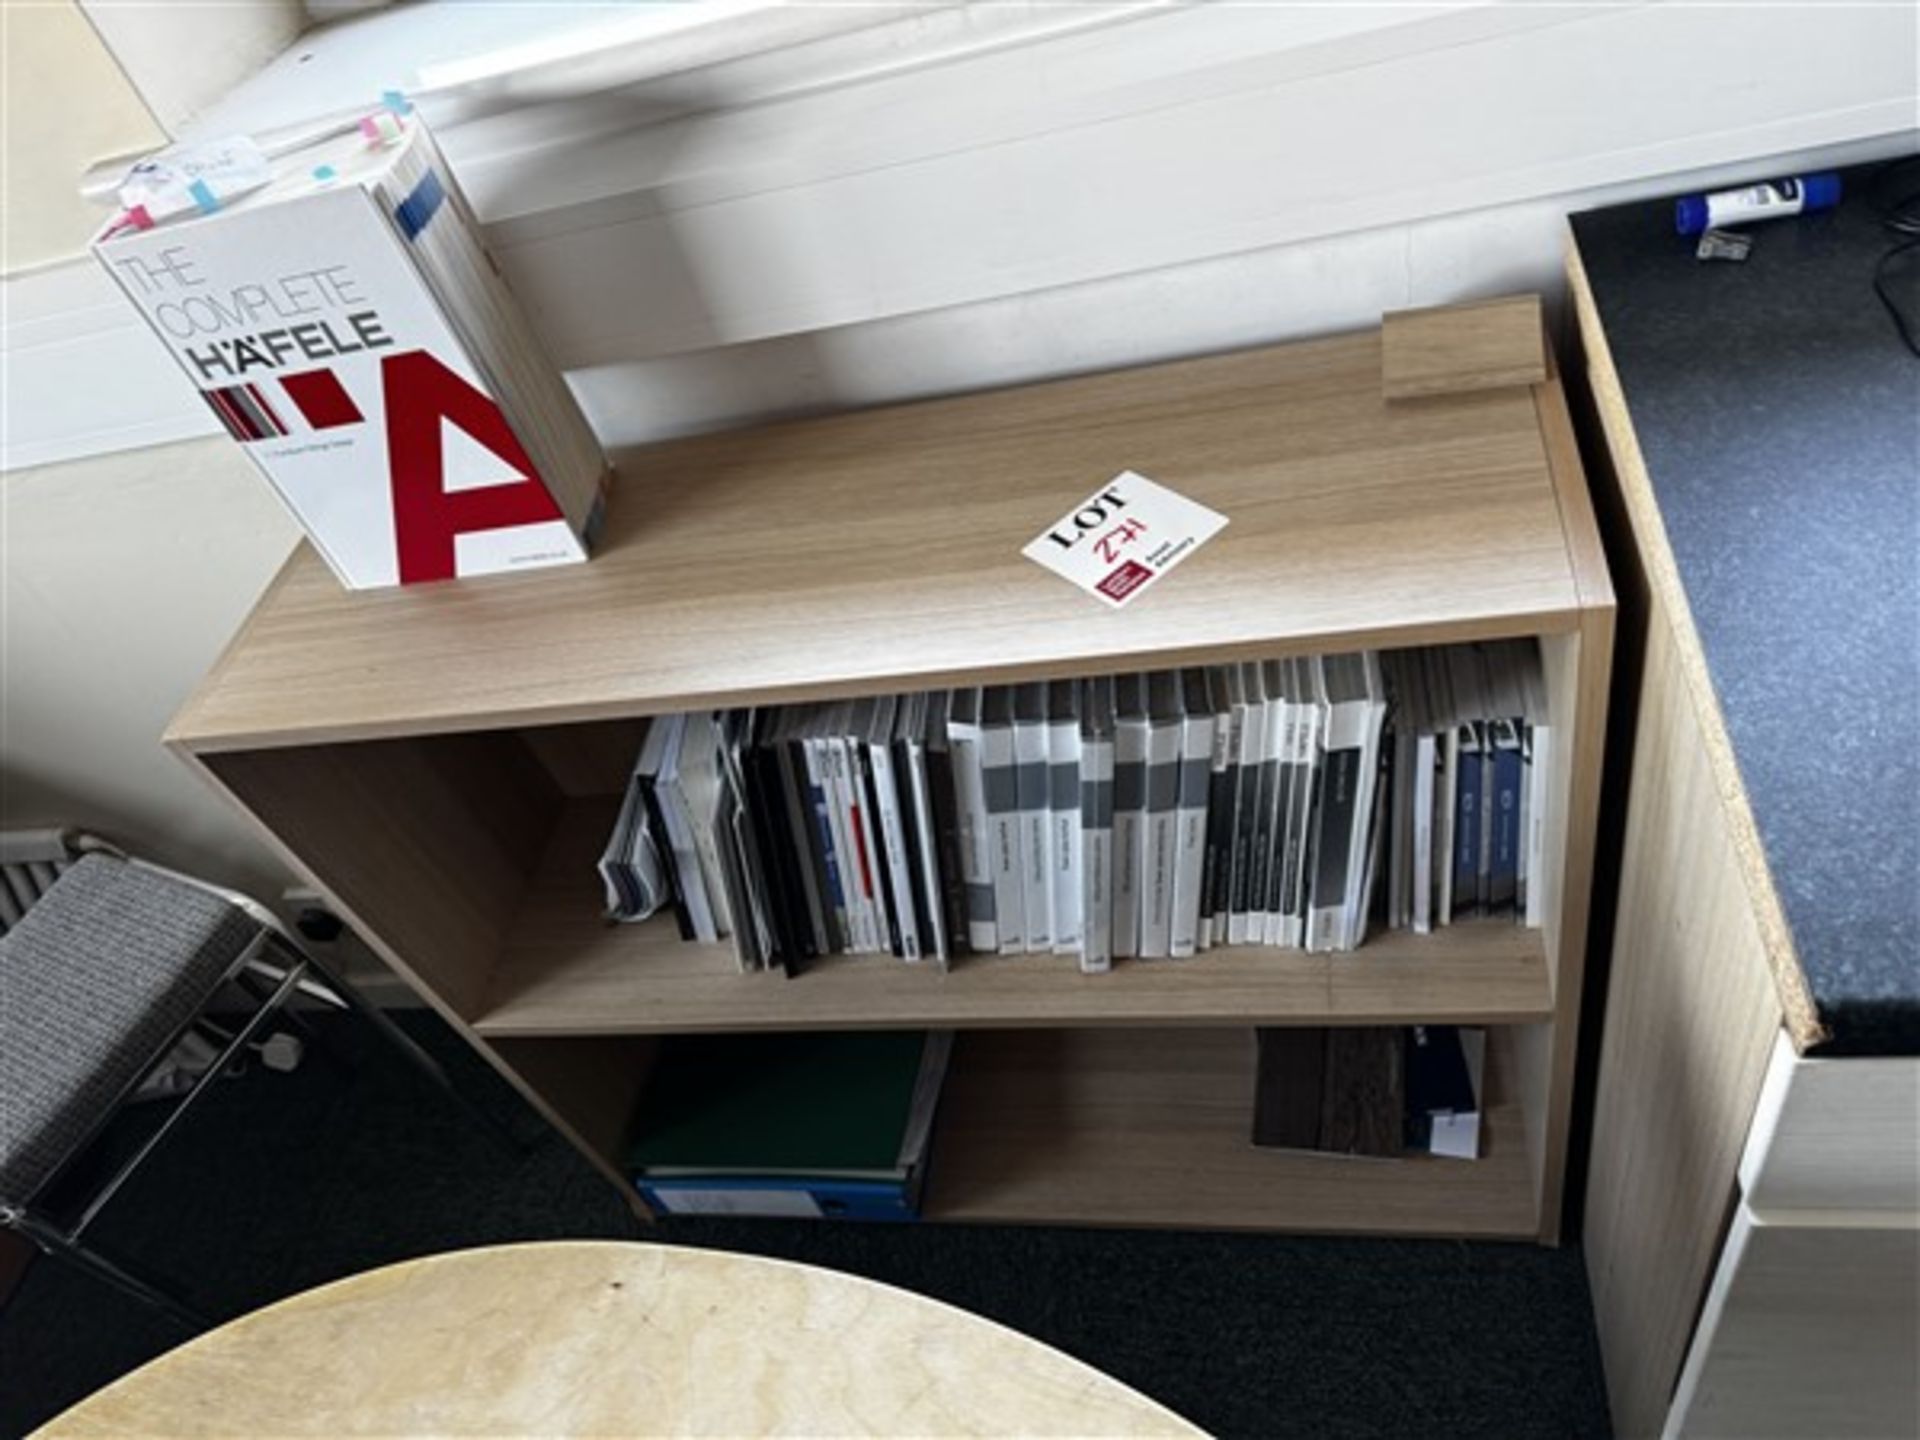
{"points": [[235, 1047], [55, 1242], [418, 1057], [317, 1043]]}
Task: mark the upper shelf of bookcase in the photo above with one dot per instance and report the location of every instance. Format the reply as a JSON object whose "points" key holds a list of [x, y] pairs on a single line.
{"points": [[880, 550], [563, 970]]}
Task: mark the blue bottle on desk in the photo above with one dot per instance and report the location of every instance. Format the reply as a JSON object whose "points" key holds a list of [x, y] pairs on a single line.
{"points": [[1768, 200]]}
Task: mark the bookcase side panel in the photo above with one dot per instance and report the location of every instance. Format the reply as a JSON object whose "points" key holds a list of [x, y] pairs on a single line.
{"points": [[1578, 672], [589, 1087], [423, 845], [587, 759], [1692, 1015], [1545, 1055]]}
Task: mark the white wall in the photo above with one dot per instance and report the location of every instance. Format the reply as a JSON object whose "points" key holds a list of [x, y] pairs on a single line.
{"points": [[120, 575], [124, 576], [954, 200], [1182, 136], [1319, 286], [67, 105], [972, 197], [181, 58]]}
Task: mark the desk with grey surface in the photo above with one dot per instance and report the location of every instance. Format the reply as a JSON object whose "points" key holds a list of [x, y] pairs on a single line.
{"points": [[1751, 1219]]}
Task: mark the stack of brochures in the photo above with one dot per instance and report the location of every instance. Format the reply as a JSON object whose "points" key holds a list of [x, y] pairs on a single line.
{"points": [[814, 1124], [1287, 803]]}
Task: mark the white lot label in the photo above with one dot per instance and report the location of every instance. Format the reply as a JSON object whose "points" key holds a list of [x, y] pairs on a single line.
{"points": [[1123, 537]]}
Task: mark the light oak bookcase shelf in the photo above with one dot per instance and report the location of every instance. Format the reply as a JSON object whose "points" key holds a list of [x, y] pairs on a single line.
{"points": [[564, 971], [1069, 1126], [442, 762]]}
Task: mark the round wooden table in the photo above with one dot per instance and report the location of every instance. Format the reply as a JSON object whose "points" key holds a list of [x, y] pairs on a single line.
{"points": [[613, 1339]]}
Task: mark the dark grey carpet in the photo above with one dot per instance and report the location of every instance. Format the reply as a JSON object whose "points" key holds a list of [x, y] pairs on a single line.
{"points": [[282, 1182]]}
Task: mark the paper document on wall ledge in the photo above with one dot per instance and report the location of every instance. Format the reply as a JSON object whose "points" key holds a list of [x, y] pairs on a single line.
{"points": [[1123, 537]]}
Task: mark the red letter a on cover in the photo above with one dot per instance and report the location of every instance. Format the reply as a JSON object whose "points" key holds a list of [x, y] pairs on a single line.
{"points": [[420, 393]]}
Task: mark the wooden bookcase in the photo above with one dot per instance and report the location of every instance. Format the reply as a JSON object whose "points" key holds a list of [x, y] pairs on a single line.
{"points": [[444, 762]]}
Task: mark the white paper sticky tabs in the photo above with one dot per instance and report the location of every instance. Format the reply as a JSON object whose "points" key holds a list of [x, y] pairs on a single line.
{"points": [[1123, 537]]}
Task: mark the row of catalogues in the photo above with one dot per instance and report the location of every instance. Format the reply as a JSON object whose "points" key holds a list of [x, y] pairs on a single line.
{"points": [[1286, 803], [1469, 778]]}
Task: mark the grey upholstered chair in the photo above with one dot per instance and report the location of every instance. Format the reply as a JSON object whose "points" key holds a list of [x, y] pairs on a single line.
{"points": [[105, 964]]}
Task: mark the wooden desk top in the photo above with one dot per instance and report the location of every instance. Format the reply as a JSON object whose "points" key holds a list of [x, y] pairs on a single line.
{"points": [[880, 550], [590, 1337]]}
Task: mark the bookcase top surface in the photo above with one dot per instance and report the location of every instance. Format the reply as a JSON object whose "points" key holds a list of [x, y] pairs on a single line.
{"points": [[880, 550]]}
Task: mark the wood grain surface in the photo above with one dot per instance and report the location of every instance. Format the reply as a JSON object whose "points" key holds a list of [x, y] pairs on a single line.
{"points": [[564, 970], [1691, 1017], [1702, 972], [597, 1338], [1447, 349], [881, 550], [1655, 553], [1154, 1127], [441, 762], [1578, 672]]}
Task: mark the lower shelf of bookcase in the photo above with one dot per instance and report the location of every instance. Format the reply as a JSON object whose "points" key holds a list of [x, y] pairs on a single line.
{"points": [[1150, 1128], [1122, 1127], [565, 971]]}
